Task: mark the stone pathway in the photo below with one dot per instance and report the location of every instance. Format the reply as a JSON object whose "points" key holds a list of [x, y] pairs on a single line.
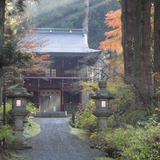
{"points": [[55, 142]]}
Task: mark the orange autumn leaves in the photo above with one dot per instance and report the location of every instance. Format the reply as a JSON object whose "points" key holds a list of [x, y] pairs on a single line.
{"points": [[113, 43], [113, 37]]}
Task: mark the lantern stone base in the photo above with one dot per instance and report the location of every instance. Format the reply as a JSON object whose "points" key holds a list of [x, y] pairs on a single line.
{"points": [[102, 125], [20, 145]]}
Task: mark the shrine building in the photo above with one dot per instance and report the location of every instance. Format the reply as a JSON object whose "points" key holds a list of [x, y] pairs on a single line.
{"points": [[54, 90]]}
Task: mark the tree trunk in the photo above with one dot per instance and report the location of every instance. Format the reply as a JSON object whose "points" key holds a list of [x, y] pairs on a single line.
{"points": [[157, 37], [2, 18], [2, 10], [123, 19], [1, 85], [127, 38], [146, 58], [137, 44]]}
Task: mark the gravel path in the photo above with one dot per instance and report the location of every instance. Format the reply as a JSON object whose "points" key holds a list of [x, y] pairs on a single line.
{"points": [[56, 143]]}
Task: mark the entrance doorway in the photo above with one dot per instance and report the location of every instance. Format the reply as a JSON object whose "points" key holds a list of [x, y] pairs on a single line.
{"points": [[50, 100]]}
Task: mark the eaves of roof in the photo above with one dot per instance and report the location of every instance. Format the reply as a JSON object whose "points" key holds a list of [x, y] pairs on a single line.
{"points": [[60, 41]]}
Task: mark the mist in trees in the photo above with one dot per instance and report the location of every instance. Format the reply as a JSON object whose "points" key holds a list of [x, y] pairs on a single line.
{"points": [[71, 14]]}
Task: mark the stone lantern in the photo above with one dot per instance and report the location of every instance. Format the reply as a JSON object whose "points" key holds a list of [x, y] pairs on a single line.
{"points": [[102, 98], [18, 111]]}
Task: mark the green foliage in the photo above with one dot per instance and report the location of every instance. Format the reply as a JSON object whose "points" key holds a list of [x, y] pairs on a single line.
{"points": [[111, 121], [94, 136], [67, 25], [6, 132], [8, 107], [31, 128], [31, 107], [124, 95], [85, 119], [57, 14], [138, 143], [89, 86], [124, 104], [128, 110], [11, 155]]}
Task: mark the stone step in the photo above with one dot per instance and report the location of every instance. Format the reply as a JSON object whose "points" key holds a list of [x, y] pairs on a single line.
{"points": [[50, 114]]}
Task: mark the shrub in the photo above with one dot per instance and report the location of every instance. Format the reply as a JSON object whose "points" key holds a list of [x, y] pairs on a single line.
{"points": [[94, 136], [8, 107], [85, 119], [30, 128], [124, 95], [124, 104], [138, 143], [6, 132]]}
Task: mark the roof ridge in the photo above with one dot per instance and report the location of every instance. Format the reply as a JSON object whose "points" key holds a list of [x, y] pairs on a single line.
{"points": [[60, 30]]}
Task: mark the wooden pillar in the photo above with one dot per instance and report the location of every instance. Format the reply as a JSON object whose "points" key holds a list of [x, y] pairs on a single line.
{"points": [[62, 69], [62, 96], [38, 99], [62, 85], [62, 100]]}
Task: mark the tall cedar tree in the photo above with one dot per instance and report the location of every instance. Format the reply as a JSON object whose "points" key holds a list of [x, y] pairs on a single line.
{"points": [[136, 45], [127, 38], [157, 37], [146, 55], [2, 13]]}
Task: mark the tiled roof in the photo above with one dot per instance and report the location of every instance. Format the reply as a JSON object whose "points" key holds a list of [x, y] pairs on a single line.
{"points": [[54, 40]]}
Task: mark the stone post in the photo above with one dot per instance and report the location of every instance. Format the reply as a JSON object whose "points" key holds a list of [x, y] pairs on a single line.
{"points": [[102, 111], [18, 111]]}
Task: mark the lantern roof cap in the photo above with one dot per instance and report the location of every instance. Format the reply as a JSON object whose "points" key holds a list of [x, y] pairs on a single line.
{"points": [[103, 93], [17, 90]]}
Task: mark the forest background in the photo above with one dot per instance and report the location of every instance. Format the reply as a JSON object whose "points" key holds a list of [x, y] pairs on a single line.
{"points": [[72, 14]]}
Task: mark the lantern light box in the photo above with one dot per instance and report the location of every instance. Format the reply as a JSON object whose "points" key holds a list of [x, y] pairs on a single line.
{"points": [[18, 102], [103, 104]]}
